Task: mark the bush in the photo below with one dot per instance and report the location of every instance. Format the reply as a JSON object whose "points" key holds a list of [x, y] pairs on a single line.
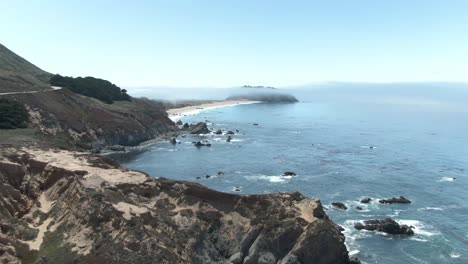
{"points": [[93, 87], [13, 114]]}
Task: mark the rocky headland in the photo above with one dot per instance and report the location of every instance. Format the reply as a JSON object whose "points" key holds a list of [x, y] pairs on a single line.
{"points": [[64, 207]]}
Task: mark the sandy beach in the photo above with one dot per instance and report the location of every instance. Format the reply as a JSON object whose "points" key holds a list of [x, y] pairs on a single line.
{"points": [[177, 113]]}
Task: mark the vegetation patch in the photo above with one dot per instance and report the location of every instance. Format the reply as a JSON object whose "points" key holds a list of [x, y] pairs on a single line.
{"points": [[93, 87], [13, 114]]}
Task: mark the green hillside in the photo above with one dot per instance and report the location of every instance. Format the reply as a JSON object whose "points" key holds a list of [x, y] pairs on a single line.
{"points": [[17, 74]]}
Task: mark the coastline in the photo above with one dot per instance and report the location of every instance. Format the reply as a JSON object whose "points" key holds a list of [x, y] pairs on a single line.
{"points": [[176, 113]]}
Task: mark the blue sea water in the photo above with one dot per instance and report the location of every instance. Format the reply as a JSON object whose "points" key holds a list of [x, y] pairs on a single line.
{"points": [[419, 135]]}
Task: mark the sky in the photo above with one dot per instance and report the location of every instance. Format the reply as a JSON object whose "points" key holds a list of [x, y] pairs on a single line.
{"points": [[221, 43]]}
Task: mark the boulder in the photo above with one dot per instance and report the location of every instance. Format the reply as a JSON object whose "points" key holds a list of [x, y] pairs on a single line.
{"points": [[358, 208], [179, 123], [387, 225], [199, 128], [229, 138], [229, 133], [200, 144], [186, 126], [173, 141], [366, 200], [289, 173], [400, 199], [340, 205], [354, 260], [219, 132]]}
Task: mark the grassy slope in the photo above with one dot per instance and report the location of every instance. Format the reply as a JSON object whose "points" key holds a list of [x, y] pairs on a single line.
{"points": [[17, 74]]}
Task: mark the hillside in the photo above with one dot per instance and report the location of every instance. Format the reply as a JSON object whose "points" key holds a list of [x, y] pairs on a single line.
{"points": [[17, 74], [65, 119]]}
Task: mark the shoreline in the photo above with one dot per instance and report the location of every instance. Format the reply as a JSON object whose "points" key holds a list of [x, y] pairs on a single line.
{"points": [[176, 113]]}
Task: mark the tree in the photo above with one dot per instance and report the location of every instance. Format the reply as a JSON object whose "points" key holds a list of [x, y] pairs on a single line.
{"points": [[93, 87]]}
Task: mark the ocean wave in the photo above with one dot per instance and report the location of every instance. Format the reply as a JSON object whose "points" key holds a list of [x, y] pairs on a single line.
{"points": [[272, 178], [455, 255], [446, 179], [431, 209], [420, 228]]}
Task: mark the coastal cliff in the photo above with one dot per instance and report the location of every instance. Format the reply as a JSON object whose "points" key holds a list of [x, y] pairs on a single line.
{"points": [[64, 207], [58, 205], [68, 120]]}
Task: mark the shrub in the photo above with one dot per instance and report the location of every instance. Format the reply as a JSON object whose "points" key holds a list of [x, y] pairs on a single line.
{"points": [[13, 114]]}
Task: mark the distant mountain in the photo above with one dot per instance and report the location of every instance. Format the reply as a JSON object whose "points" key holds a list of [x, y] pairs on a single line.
{"points": [[17, 74]]}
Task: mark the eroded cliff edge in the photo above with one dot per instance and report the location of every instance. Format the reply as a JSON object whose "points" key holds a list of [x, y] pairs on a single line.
{"points": [[72, 207]]}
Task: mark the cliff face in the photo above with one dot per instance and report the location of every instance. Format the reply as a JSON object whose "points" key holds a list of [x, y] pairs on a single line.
{"points": [[63, 207], [66, 119]]}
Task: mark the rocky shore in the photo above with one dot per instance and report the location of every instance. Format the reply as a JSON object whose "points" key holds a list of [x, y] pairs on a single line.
{"points": [[74, 207]]}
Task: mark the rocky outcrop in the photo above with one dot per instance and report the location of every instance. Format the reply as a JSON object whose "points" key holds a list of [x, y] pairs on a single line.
{"points": [[340, 205], [366, 200], [199, 128], [400, 199], [387, 225], [65, 207]]}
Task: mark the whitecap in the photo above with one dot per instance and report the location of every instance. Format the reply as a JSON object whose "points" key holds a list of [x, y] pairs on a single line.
{"points": [[272, 178], [368, 147], [431, 209], [418, 239], [455, 255], [446, 179], [420, 228]]}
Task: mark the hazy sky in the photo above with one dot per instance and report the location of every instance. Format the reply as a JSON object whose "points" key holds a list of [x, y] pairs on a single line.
{"points": [[230, 43]]}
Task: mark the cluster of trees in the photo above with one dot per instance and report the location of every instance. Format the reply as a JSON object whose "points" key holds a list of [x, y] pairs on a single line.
{"points": [[93, 87], [13, 114]]}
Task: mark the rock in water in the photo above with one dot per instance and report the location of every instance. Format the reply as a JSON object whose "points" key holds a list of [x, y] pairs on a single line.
{"points": [[229, 138], [186, 126], [400, 199], [387, 225], [366, 200], [354, 260], [219, 132], [340, 205], [179, 122], [229, 133], [199, 128], [289, 173], [200, 144], [173, 141]]}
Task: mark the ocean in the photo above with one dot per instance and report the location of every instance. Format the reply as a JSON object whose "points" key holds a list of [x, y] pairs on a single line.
{"points": [[345, 142]]}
